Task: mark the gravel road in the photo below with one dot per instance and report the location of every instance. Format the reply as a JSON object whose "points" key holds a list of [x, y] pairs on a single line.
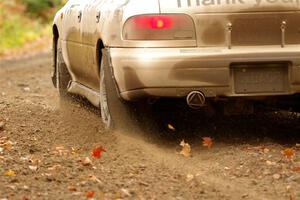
{"points": [[46, 145]]}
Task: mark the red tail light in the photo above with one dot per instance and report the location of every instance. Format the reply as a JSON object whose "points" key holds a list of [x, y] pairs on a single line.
{"points": [[159, 27], [153, 22]]}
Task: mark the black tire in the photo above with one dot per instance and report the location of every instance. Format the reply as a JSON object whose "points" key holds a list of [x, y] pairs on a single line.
{"points": [[116, 113], [63, 76]]}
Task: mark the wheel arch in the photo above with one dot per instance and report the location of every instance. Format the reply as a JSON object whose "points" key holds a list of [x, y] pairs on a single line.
{"points": [[99, 47]]}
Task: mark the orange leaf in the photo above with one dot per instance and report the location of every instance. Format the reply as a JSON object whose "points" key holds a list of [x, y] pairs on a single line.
{"points": [[98, 151], [186, 149], [207, 142], [289, 153], [90, 194], [297, 169], [171, 127], [10, 173]]}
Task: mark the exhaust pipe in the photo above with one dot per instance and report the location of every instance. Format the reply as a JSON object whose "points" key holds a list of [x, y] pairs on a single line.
{"points": [[195, 100]]}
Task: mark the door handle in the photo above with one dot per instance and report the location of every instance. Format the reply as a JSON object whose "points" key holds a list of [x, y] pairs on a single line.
{"points": [[98, 16], [79, 16]]}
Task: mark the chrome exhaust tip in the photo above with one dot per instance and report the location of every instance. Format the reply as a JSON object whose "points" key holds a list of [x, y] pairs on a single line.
{"points": [[195, 100]]}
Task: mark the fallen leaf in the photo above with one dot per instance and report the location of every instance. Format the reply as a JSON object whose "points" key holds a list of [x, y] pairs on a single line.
{"points": [[75, 151], [189, 177], [33, 167], [290, 192], [26, 89], [86, 161], [90, 194], [207, 142], [276, 176], [10, 173], [2, 139], [60, 150], [53, 168], [297, 169], [270, 163], [97, 152], [25, 187], [125, 192], [171, 127], [72, 189], [266, 150], [2, 124], [95, 179], [288, 153], [7, 145], [186, 149]]}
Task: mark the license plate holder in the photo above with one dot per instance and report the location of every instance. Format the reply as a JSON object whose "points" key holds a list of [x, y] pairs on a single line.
{"points": [[260, 78]]}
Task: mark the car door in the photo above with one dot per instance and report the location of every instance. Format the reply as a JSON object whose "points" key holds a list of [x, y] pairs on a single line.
{"points": [[90, 35], [72, 44]]}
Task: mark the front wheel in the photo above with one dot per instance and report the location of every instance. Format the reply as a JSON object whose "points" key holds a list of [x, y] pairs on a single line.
{"points": [[63, 76]]}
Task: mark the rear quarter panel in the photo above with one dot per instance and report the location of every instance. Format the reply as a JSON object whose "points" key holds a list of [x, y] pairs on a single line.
{"points": [[115, 13]]}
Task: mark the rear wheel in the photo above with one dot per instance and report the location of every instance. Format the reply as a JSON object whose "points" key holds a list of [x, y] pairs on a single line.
{"points": [[115, 112]]}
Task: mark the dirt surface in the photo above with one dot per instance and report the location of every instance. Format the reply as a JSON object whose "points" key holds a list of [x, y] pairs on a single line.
{"points": [[46, 145]]}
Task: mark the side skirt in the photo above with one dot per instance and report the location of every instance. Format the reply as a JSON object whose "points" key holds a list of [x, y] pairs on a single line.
{"points": [[91, 95]]}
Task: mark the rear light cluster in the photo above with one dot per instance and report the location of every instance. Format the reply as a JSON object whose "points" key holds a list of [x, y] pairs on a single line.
{"points": [[159, 27]]}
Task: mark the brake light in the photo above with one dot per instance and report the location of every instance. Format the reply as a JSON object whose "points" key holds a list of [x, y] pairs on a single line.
{"points": [[152, 22], [159, 27]]}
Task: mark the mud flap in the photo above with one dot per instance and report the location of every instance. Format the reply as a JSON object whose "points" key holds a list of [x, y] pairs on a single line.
{"points": [[53, 71]]}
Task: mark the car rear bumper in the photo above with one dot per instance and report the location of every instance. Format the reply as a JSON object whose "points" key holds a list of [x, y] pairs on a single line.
{"points": [[174, 72]]}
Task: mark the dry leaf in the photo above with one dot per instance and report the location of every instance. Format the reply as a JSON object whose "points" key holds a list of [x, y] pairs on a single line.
{"points": [[7, 145], [289, 153], [290, 192], [297, 169], [60, 150], [186, 149], [53, 168], [266, 150], [75, 151], [72, 189], [207, 142], [276, 176], [95, 179], [125, 192], [90, 194], [171, 127], [189, 177], [97, 152], [2, 125], [86, 161], [33, 168], [270, 163], [10, 173]]}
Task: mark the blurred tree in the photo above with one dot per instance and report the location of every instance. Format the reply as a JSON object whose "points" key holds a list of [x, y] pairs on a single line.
{"points": [[41, 8]]}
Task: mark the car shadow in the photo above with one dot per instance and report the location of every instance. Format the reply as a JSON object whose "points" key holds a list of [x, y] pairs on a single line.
{"points": [[168, 127], [279, 127]]}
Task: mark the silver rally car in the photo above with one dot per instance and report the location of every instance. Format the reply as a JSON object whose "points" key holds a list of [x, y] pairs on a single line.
{"points": [[120, 52]]}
